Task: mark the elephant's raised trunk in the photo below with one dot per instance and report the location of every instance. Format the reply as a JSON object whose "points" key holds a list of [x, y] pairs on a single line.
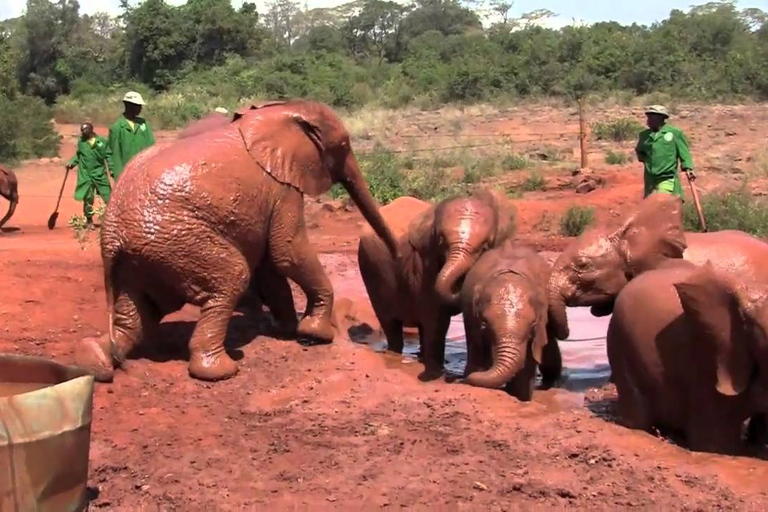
{"points": [[355, 185], [456, 267], [508, 361], [11, 209], [558, 318]]}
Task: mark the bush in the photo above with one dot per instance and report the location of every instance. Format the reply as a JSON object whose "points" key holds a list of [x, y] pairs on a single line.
{"points": [[576, 220], [620, 130], [731, 210], [616, 158], [514, 163], [26, 130], [534, 182], [381, 170]]}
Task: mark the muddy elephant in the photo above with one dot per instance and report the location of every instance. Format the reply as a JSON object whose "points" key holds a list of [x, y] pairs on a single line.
{"points": [[594, 269], [191, 222], [504, 303], [438, 245], [688, 348], [9, 189]]}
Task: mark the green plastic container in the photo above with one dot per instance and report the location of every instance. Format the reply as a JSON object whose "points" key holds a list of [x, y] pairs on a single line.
{"points": [[45, 435]]}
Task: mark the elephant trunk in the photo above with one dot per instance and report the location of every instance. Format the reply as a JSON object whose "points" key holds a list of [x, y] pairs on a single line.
{"points": [[11, 209], [354, 183], [456, 267], [508, 361], [558, 318]]}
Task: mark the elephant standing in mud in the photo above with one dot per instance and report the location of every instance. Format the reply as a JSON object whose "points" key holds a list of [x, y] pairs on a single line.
{"points": [[597, 266], [9, 189], [504, 301], [438, 245], [192, 221], [688, 347]]}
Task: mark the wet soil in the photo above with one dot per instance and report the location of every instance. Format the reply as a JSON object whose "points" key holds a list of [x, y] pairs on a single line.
{"points": [[343, 426]]}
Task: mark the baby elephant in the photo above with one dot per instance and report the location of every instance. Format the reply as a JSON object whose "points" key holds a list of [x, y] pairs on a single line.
{"points": [[504, 300]]}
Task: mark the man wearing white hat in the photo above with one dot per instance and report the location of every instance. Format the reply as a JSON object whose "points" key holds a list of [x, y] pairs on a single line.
{"points": [[129, 135], [660, 148]]}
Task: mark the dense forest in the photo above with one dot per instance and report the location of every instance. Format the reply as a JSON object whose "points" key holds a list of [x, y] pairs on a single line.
{"points": [[205, 53]]}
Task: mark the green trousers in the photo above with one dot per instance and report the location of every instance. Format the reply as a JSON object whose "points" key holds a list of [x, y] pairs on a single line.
{"points": [[90, 195]]}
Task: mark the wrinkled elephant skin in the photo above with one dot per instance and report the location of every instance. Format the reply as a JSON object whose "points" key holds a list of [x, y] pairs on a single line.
{"points": [[9, 189], [683, 343], [594, 269], [193, 222], [504, 302], [439, 244]]}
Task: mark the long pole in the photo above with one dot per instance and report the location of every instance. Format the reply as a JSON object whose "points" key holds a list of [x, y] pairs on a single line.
{"points": [[583, 135]]}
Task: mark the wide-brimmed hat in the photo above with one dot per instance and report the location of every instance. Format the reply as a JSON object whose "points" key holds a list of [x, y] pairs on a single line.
{"points": [[660, 110], [133, 97]]}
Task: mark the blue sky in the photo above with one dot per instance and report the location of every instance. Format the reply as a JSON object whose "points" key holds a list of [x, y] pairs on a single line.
{"points": [[623, 11]]}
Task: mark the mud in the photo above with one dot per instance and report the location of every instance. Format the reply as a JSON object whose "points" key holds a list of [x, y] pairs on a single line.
{"points": [[344, 427]]}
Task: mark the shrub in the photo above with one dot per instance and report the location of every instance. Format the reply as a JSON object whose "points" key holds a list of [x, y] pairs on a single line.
{"points": [[514, 163], [381, 169], [616, 158], [730, 210], [534, 182], [32, 137], [619, 130], [575, 220]]}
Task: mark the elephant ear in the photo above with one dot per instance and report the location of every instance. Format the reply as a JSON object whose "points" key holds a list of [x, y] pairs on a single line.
{"points": [[421, 230], [289, 147], [713, 307], [652, 235]]}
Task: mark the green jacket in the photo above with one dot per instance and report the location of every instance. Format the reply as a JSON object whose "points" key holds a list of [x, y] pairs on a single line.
{"points": [[126, 142], [90, 162], [660, 153]]}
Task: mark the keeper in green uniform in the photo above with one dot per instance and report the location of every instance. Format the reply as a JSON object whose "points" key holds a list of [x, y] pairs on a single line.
{"points": [[90, 159], [660, 148], [129, 135]]}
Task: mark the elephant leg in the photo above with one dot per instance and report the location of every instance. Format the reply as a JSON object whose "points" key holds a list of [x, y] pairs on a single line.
{"points": [[294, 258], [551, 366], [714, 433], [432, 332], [521, 385], [275, 292], [393, 331], [208, 357], [133, 319], [757, 432], [475, 359]]}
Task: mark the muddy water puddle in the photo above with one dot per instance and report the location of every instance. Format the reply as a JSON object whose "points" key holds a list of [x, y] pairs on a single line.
{"points": [[585, 363], [17, 388]]}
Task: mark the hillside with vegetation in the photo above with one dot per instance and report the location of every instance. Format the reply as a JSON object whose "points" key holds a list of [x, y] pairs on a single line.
{"points": [[205, 53]]}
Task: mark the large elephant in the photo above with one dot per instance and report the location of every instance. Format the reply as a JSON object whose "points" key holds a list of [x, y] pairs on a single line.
{"points": [[191, 222], [438, 245], [9, 189], [688, 348], [504, 301], [595, 268]]}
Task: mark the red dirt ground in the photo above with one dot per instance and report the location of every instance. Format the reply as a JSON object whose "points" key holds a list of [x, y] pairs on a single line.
{"points": [[337, 426]]}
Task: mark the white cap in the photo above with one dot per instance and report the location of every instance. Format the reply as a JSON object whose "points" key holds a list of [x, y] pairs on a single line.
{"points": [[133, 97], [221, 110]]}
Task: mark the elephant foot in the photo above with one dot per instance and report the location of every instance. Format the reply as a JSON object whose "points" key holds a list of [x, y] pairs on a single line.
{"points": [[431, 373], [94, 355], [318, 328], [212, 367], [285, 329]]}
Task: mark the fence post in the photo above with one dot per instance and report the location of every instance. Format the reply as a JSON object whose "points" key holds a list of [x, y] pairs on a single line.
{"points": [[583, 135]]}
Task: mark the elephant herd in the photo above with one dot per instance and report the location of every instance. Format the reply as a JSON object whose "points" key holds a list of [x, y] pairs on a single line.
{"points": [[217, 217]]}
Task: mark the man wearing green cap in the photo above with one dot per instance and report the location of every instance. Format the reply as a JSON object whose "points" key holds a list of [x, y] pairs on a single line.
{"points": [[660, 148], [90, 160], [129, 135]]}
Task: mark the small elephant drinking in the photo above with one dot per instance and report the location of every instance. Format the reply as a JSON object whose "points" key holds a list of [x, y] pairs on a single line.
{"points": [[439, 244], [504, 301]]}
